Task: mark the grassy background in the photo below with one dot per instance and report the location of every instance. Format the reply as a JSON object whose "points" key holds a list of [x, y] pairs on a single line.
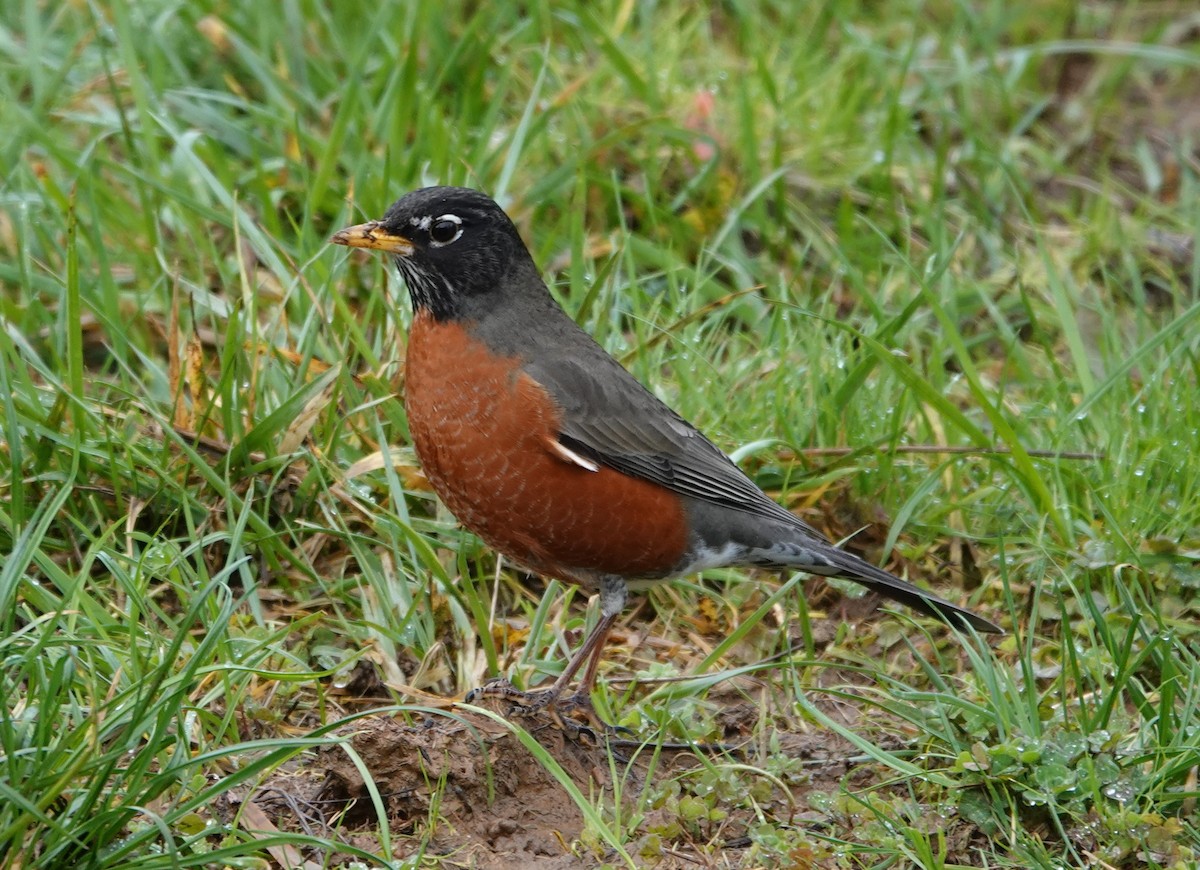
{"points": [[841, 224]]}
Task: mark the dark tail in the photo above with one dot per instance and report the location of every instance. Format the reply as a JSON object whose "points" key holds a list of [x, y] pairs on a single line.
{"points": [[829, 561], [878, 580]]}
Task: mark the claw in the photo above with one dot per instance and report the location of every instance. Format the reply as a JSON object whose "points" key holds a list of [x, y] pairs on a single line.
{"points": [[575, 712], [497, 687]]}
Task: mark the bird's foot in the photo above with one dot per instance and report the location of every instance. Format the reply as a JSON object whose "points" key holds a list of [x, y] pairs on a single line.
{"points": [[499, 687], [530, 701], [574, 712]]}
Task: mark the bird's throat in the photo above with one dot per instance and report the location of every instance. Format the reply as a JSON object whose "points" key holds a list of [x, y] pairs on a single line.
{"points": [[430, 292]]}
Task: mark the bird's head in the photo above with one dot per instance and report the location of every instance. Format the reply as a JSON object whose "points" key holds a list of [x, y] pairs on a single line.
{"points": [[453, 245]]}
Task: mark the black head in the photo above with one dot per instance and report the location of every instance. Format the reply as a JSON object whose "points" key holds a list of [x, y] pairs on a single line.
{"points": [[454, 246]]}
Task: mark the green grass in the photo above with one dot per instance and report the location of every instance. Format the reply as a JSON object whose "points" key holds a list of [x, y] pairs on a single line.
{"points": [[846, 224]]}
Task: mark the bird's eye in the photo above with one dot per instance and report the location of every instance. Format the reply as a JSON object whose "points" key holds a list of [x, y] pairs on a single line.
{"points": [[445, 229]]}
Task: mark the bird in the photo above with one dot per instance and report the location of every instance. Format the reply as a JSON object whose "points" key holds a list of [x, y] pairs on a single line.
{"points": [[543, 445]]}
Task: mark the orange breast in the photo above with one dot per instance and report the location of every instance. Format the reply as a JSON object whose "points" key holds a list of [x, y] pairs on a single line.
{"points": [[480, 427]]}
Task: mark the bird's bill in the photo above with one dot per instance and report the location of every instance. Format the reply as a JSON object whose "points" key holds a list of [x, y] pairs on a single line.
{"points": [[374, 237]]}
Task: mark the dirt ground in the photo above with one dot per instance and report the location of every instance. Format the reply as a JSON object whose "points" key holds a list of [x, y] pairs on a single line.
{"points": [[461, 790]]}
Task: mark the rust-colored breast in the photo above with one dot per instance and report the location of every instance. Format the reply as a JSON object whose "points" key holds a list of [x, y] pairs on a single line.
{"points": [[482, 430]]}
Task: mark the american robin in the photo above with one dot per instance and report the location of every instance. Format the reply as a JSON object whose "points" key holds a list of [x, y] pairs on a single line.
{"points": [[543, 445]]}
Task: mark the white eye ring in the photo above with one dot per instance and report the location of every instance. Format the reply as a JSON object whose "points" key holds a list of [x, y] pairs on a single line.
{"points": [[439, 224]]}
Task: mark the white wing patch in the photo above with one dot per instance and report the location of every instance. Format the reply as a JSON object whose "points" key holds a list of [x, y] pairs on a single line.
{"points": [[566, 454]]}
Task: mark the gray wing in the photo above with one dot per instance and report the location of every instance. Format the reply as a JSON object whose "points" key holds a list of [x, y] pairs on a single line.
{"points": [[610, 418]]}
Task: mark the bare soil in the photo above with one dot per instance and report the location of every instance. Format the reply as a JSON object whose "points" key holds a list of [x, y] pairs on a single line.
{"points": [[460, 789]]}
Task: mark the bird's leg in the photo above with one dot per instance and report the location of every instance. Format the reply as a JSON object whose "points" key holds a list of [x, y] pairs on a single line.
{"points": [[613, 594]]}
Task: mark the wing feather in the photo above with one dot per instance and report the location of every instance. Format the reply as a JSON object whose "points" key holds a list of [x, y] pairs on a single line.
{"points": [[614, 421]]}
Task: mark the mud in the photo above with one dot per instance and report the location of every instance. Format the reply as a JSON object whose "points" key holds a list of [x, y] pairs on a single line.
{"points": [[460, 789]]}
